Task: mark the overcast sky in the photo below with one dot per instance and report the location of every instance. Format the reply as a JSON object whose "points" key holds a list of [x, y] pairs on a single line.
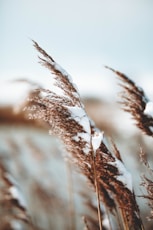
{"points": [[82, 36]]}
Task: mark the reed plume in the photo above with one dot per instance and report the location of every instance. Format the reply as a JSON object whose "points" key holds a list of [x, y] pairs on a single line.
{"points": [[135, 102], [63, 110]]}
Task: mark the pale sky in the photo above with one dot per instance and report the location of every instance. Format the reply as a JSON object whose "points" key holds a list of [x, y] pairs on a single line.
{"points": [[82, 36]]}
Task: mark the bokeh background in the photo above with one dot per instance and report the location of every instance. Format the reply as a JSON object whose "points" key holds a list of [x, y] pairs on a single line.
{"points": [[82, 36]]}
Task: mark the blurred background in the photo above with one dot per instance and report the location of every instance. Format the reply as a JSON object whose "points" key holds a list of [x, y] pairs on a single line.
{"points": [[83, 37]]}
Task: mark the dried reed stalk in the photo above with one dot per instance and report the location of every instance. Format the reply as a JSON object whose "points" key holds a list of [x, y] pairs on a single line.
{"points": [[65, 114]]}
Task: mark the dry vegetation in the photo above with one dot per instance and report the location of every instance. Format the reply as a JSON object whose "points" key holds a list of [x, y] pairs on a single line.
{"points": [[99, 191]]}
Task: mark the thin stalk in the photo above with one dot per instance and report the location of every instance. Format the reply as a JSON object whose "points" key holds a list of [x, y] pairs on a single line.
{"points": [[97, 193], [124, 220]]}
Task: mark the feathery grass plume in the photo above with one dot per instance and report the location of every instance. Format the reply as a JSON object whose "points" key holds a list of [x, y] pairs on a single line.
{"points": [[136, 103], [12, 207], [67, 118]]}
